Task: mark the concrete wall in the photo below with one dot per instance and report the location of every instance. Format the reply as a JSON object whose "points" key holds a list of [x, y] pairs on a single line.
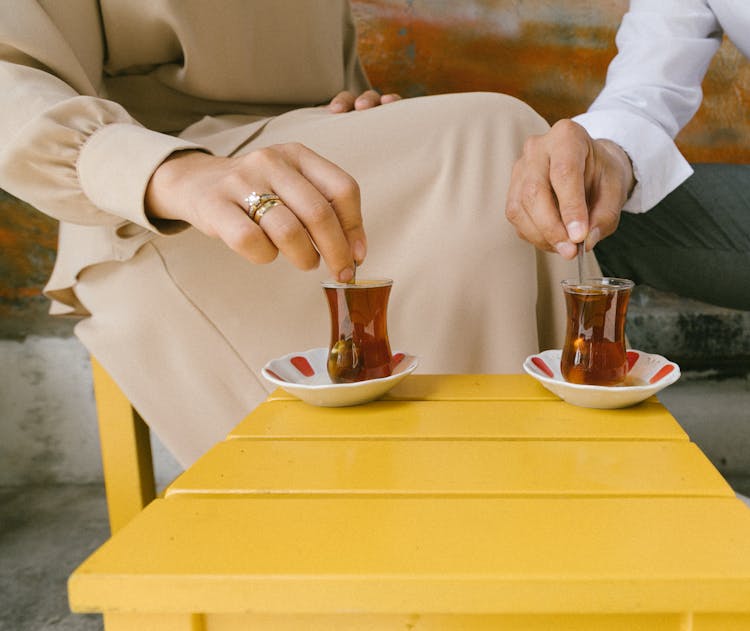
{"points": [[48, 431], [551, 53]]}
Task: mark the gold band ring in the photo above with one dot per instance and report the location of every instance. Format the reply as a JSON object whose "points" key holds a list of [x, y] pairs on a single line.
{"points": [[255, 201], [264, 208]]}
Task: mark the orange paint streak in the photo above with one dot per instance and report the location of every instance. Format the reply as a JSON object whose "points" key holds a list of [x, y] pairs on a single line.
{"points": [[28, 241], [557, 68]]}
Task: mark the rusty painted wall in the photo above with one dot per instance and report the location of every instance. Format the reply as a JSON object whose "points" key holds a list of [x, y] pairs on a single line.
{"points": [[551, 53], [28, 242]]}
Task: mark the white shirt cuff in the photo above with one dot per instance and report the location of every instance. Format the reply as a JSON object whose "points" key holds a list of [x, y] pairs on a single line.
{"points": [[658, 165]]}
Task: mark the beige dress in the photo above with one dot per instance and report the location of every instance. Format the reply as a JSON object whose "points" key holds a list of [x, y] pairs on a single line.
{"points": [[98, 94]]}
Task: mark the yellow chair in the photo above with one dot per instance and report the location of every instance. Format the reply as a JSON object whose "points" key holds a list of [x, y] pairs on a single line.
{"points": [[127, 462]]}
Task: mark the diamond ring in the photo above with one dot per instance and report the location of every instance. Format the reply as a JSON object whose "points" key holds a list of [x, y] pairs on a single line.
{"points": [[259, 203]]}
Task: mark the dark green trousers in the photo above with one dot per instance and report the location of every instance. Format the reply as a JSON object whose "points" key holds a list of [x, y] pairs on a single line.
{"points": [[695, 242]]}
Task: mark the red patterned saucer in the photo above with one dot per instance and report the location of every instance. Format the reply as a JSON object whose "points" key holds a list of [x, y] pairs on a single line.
{"points": [[304, 375], [647, 375]]}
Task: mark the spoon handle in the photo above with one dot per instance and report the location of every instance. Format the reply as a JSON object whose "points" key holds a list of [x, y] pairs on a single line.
{"points": [[580, 263]]}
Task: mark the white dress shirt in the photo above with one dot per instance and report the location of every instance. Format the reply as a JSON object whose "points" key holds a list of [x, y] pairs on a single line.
{"points": [[653, 85]]}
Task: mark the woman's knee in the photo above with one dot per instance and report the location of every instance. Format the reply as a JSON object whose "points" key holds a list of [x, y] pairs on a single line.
{"points": [[481, 109]]}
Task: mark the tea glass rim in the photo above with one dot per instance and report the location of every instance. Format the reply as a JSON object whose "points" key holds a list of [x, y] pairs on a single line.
{"points": [[365, 283], [597, 284]]}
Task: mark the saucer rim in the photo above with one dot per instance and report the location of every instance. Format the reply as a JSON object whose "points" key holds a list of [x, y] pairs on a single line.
{"points": [[411, 367], [667, 380]]}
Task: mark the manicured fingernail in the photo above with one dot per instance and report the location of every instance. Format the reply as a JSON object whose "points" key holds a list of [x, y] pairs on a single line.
{"points": [[576, 231], [359, 251], [346, 275], [594, 236], [566, 249]]}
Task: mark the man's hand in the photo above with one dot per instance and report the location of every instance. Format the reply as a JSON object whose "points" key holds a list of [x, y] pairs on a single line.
{"points": [[567, 188]]}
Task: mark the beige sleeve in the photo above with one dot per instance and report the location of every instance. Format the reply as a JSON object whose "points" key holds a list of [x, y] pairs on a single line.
{"points": [[63, 149]]}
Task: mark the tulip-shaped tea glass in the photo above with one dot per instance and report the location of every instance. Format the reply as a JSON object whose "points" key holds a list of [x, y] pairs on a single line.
{"points": [[594, 349], [359, 348]]}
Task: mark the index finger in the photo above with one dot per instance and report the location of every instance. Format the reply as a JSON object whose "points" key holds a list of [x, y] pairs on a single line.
{"points": [[341, 191], [567, 176]]}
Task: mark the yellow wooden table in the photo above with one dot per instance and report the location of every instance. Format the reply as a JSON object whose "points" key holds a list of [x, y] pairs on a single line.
{"points": [[455, 503]]}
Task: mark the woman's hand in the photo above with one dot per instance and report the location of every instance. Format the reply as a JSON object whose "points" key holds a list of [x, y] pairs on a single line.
{"points": [[319, 216], [567, 187], [346, 101]]}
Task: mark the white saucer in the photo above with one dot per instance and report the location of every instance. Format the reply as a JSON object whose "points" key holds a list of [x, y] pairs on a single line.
{"points": [[304, 375], [647, 374]]}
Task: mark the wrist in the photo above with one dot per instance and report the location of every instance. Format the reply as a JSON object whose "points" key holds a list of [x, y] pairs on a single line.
{"points": [[624, 163], [165, 188]]}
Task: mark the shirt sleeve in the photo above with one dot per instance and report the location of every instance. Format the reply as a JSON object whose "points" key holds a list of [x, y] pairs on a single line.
{"points": [[63, 149], [652, 90]]}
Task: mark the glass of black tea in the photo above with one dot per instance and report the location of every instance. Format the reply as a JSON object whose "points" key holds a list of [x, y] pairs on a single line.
{"points": [[594, 349], [359, 348]]}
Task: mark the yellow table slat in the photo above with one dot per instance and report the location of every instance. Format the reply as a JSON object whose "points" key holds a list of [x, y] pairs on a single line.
{"points": [[417, 387], [425, 555], [452, 468], [418, 622], [129, 621], [489, 420], [476, 387]]}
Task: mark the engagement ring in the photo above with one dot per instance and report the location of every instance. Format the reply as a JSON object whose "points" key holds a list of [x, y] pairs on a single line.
{"points": [[259, 203]]}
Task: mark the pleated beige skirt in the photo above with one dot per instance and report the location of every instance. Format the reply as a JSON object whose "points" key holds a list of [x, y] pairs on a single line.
{"points": [[186, 325]]}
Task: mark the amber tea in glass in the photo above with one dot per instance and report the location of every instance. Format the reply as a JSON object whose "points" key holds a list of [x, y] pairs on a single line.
{"points": [[359, 348], [594, 349]]}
